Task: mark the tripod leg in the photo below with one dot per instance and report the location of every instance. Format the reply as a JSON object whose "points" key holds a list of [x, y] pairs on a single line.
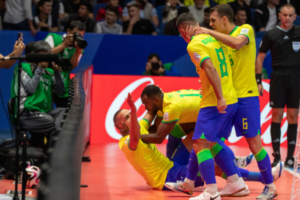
{"points": [[24, 164], [16, 197]]}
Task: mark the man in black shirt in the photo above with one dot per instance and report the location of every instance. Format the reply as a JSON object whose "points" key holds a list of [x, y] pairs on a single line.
{"points": [[284, 43], [136, 25]]}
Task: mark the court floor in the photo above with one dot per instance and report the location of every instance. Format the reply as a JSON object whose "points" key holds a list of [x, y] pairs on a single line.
{"points": [[110, 177]]}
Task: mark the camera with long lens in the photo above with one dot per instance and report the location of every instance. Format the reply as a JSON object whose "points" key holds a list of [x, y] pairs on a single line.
{"points": [[81, 43], [155, 66], [65, 64]]}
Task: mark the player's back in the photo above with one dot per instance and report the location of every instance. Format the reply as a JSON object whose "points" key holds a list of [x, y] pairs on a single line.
{"points": [[146, 159], [201, 48], [182, 106], [243, 63]]}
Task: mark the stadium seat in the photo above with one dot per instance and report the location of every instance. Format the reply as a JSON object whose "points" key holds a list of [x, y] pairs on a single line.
{"points": [[161, 29], [297, 21], [260, 34], [159, 13], [97, 7]]}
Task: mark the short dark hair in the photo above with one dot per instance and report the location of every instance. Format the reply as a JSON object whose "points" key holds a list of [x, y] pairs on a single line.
{"points": [[288, 5], [187, 18], [151, 91], [113, 9], [78, 24], [115, 116], [153, 55], [42, 2], [88, 6], [41, 46], [182, 10], [207, 10], [238, 10], [133, 5], [29, 48], [224, 10]]}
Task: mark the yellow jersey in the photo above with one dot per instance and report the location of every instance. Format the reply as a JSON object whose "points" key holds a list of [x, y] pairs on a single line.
{"points": [[204, 47], [243, 63], [182, 106], [147, 160], [191, 2]]}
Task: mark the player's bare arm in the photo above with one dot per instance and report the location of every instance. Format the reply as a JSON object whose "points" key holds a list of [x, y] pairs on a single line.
{"points": [[258, 70], [233, 42], [157, 138], [134, 130], [215, 81]]}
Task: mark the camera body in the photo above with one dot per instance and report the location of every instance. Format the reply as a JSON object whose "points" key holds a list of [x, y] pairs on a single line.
{"points": [[82, 44], [65, 64], [155, 66]]}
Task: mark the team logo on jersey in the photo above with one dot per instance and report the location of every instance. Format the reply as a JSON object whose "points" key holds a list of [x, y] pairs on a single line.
{"points": [[197, 57], [296, 46], [166, 116]]}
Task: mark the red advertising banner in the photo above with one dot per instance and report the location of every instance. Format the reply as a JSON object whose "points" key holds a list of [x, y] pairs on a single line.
{"points": [[109, 92]]}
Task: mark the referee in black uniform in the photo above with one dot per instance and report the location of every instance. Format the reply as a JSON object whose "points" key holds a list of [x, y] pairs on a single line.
{"points": [[284, 43]]}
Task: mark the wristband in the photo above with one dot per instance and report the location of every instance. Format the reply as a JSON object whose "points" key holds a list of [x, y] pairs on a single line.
{"points": [[258, 78]]}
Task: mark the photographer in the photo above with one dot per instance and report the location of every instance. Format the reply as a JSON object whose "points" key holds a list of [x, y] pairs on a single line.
{"points": [[154, 67], [70, 51], [37, 82]]}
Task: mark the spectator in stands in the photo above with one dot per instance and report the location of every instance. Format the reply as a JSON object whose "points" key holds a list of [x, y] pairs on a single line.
{"points": [[58, 9], [266, 15], [147, 11], [136, 25], [18, 50], [238, 4], [170, 10], [295, 3], [255, 3], [170, 27], [72, 6], [18, 16], [43, 21], [37, 83], [197, 10], [64, 46], [191, 2], [166, 69], [240, 17], [206, 20], [110, 25], [83, 15], [111, 3]]}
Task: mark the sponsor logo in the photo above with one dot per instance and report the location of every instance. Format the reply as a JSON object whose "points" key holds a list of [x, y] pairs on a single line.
{"points": [[166, 116], [197, 57], [286, 37], [214, 197], [277, 140], [296, 46], [245, 30], [293, 142]]}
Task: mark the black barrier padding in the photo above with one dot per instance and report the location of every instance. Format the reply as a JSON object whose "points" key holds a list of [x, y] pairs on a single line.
{"points": [[64, 172]]}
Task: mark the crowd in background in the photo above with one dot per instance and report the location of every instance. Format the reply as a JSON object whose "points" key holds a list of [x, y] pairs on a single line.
{"points": [[150, 17]]}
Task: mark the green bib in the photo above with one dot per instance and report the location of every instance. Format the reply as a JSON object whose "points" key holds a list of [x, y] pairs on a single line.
{"points": [[66, 53], [41, 100]]}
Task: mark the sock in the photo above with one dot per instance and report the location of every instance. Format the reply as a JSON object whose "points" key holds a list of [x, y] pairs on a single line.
{"points": [[251, 176], [264, 165], [291, 137], [172, 145], [275, 136], [206, 166], [192, 167], [223, 159], [212, 189]]}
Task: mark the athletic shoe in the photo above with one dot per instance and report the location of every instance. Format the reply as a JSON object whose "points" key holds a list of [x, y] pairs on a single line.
{"points": [[267, 194], [180, 186], [206, 196], [289, 163], [245, 192], [277, 159], [277, 171], [243, 162], [232, 188]]}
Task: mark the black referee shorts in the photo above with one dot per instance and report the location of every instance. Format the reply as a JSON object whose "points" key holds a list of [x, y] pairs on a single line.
{"points": [[285, 88]]}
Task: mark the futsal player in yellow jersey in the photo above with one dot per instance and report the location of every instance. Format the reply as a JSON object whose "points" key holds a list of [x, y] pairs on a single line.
{"points": [[241, 41]]}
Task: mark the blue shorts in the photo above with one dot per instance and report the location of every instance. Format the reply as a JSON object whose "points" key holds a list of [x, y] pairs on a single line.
{"points": [[214, 125], [179, 170], [247, 117]]}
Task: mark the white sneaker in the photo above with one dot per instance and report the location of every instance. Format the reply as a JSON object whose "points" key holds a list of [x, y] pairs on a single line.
{"points": [[232, 188], [245, 192], [243, 162], [267, 194], [277, 171], [180, 186], [206, 196]]}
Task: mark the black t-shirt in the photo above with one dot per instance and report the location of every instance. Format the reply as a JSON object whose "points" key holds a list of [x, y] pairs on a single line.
{"points": [[284, 46], [142, 27], [71, 7]]}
